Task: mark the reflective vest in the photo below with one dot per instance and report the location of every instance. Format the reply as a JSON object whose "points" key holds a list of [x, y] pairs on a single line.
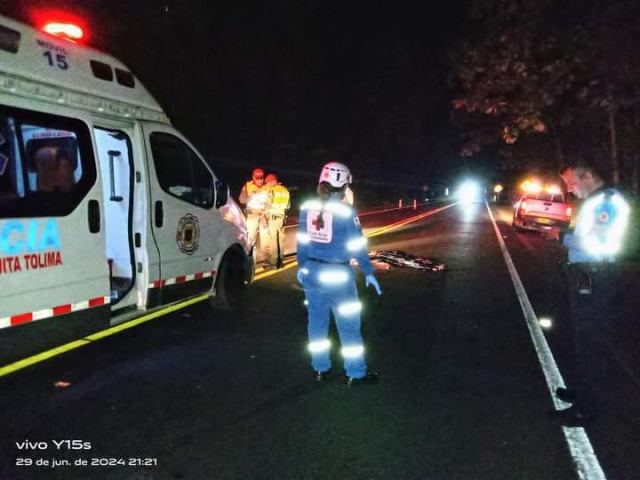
{"points": [[279, 200], [600, 228], [258, 197]]}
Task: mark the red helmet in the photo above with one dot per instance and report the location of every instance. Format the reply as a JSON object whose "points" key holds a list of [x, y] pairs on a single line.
{"points": [[271, 178], [258, 174]]}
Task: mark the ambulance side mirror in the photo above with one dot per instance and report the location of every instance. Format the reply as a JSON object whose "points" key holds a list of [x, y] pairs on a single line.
{"points": [[222, 193]]}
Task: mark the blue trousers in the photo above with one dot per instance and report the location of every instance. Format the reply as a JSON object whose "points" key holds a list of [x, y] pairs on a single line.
{"points": [[341, 298]]}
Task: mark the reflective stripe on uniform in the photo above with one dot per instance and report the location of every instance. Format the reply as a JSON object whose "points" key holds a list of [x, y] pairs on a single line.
{"points": [[303, 238], [333, 276], [311, 205], [356, 244], [338, 208], [353, 351], [319, 346], [349, 308]]}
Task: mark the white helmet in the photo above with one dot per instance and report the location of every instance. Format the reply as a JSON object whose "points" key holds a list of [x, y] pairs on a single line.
{"points": [[336, 174]]}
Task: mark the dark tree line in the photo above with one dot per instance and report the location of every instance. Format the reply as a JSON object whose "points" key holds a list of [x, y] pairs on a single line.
{"points": [[549, 81], [289, 84]]}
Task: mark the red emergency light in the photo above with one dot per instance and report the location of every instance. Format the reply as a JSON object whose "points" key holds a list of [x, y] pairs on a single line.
{"points": [[68, 31]]}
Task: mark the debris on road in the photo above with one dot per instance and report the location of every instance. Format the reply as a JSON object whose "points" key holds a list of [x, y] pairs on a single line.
{"points": [[61, 384], [397, 258]]}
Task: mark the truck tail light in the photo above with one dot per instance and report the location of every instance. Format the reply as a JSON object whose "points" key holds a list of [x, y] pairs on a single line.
{"points": [[523, 206]]}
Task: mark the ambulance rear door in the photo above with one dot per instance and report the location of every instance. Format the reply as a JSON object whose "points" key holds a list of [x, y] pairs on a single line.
{"points": [[54, 277], [185, 224]]}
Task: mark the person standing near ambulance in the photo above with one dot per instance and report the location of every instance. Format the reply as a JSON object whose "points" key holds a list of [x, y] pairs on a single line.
{"points": [[272, 237], [329, 236], [591, 280], [255, 196]]}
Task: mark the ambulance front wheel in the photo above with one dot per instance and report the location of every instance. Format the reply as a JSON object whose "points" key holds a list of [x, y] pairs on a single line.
{"points": [[230, 282]]}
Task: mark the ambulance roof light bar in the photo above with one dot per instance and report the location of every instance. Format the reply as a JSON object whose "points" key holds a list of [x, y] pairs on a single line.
{"points": [[68, 31]]}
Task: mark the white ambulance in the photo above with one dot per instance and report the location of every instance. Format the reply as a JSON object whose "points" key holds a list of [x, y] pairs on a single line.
{"points": [[106, 211]]}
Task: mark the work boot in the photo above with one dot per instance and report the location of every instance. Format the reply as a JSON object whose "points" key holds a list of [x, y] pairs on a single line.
{"points": [[566, 395], [321, 377], [369, 379]]}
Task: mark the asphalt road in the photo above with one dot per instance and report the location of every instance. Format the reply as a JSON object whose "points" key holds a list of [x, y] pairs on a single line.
{"points": [[462, 395]]}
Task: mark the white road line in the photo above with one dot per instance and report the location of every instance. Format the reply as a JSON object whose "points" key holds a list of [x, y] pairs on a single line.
{"points": [[584, 458]]}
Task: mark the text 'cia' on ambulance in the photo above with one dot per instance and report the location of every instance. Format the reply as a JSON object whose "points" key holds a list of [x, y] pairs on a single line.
{"points": [[106, 211]]}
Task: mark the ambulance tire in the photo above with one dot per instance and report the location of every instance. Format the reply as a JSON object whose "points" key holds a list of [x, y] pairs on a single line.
{"points": [[230, 282]]}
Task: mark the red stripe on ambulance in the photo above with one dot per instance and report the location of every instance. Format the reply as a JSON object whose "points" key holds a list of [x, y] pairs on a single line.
{"points": [[53, 312], [181, 279], [24, 318], [96, 302], [62, 309]]}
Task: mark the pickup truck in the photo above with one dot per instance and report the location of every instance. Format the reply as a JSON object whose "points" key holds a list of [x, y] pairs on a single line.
{"points": [[542, 210]]}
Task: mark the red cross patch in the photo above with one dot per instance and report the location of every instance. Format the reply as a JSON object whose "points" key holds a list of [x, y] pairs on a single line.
{"points": [[320, 227]]}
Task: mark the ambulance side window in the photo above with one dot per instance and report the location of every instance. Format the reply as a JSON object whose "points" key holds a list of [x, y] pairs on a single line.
{"points": [[46, 164], [180, 171]]}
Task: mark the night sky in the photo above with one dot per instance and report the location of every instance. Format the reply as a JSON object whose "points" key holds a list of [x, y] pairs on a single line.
{"points": [[290, 84]]}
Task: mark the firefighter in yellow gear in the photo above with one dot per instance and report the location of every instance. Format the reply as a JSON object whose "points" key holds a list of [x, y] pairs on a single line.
{"points": [[254, 197], [272, 235]]}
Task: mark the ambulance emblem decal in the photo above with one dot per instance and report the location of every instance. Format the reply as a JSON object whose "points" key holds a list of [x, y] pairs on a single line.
{"points": [[188, 234]]}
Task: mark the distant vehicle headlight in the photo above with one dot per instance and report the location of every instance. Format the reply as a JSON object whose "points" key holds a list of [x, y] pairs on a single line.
{"points": [[469, 192]]}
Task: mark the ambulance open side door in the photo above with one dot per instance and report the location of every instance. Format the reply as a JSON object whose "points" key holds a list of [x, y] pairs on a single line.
{"points": [[54, 277], [185, 225]]}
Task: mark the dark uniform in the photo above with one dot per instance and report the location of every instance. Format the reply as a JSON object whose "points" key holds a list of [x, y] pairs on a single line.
{"points": [[591, 279]]}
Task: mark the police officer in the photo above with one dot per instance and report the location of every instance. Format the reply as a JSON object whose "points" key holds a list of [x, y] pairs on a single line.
{"points": [[591, 277], [272, 236], [329, 236], [254, 196]]}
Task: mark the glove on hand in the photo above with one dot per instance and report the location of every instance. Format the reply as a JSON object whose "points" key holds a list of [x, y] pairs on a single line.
{"points": [[371, 280]]}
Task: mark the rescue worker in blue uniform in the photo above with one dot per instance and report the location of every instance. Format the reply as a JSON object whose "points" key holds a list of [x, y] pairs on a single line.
{"points": [[329, 236], [592, 276]]}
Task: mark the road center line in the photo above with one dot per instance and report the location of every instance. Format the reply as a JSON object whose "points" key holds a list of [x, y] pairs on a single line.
{"points": [[584, 458]]}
